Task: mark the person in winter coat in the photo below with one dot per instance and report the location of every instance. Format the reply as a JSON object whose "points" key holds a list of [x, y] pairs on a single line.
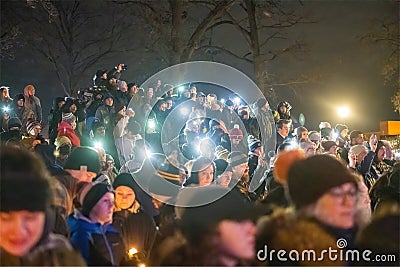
{"points": [[219, 233], [67, 128], [137, 228], [32, 102], [323, 193], [25, 214], [91, 231], [54, 117]]}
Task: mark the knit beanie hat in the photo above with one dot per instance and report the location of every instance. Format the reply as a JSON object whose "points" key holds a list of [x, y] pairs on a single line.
{"points": [[306, 145], [19, 97], [326, 133], [312, 177], [108, 95], [68, 117], [100, 73], [355, 133], [125, 179], [83, 156], [314, 136], [221, 166], [236, 133], [261, 102], [93, 195], [213, 122], [324, 124], [14, 122], [328, 144], [229, 103], [24, 191], [69, 101], [197, 219], [253, 143], [31, 124], [133, 126], [169, 172], [221, 152], [283, 163], [340, 127], [96, 124], [61, 141], [118, 106], [24, 181], [236, 158]]}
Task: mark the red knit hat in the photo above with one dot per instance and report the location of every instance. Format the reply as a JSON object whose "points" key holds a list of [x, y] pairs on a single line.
{"points": [[236, 133]]}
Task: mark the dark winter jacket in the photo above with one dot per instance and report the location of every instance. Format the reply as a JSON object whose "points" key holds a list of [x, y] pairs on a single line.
{"points": [[137, 229], [99, 244]]}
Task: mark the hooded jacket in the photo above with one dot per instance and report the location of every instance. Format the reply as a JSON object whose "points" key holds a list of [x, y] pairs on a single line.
{"points": [[65, 129], [100, 245]]}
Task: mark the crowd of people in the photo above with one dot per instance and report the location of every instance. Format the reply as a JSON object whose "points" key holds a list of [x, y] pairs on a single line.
{"points": [[105, 187]]}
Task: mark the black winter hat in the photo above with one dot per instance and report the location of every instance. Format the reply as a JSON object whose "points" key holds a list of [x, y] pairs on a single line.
{"points": [[340, 127], [312, 177], [169, 172], [118, 106], [261, 102], [125, 179], [133, 126], [96, 125], [229, 103], [95, 193], [19, 97], [253, 143], [202, 208], [14, 122], [83, 156], [213, 122], [236, 158], [23, 191], [100, 73], [220, 165]]}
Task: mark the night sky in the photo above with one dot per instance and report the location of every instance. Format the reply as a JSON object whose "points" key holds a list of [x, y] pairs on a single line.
{"points": [[334, 47]]}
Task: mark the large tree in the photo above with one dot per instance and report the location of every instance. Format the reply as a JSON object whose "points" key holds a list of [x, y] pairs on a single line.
{"points": [[387, 32], [73, 36], [178, 27], [261, 26]]}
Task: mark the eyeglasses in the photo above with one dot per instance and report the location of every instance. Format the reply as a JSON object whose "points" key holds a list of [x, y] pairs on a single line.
{"points": [[340, 194]]}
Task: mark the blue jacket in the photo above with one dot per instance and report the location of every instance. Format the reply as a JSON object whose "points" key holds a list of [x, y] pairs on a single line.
{"points": [[98, 244]]}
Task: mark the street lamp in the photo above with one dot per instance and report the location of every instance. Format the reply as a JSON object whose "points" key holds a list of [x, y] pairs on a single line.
{"points": [[343, 112]]}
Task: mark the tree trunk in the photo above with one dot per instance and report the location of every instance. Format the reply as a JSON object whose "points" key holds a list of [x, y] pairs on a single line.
{"points": [[258, 62], [177, 8]]}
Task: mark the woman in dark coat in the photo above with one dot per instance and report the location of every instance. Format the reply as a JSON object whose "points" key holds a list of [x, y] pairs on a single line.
{"points": [[137, 228]]}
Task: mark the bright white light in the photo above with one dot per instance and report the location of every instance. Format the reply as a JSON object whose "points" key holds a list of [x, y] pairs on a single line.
{"points": [[334, 136], [132, 251], [343, 112], [181, 88], [236, 100], [98, 145], [184, 111], [6, 109], [149, 153], [222, 100], [293, 144], [151, 124]]}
